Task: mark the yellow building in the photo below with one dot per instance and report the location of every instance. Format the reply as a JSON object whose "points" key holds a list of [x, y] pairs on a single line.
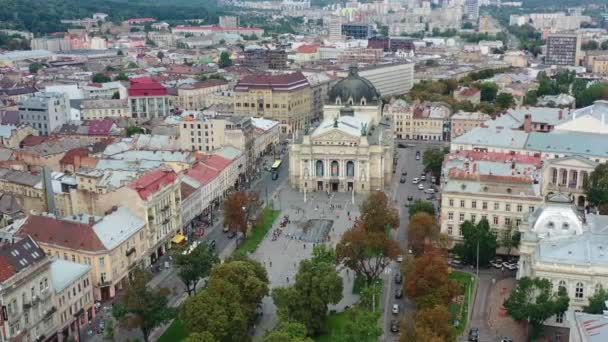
{"points": [[600, 65], [196, 96], [286, 98], [420, 121], [112, 245]]}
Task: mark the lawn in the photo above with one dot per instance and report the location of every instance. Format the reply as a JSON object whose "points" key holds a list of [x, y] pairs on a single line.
{"points": [[359, 285], [461, 311], [257, 234], [335, 325], [175, 332]]}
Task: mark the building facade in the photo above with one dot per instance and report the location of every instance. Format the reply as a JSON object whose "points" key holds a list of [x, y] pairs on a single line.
{"points": [[100, 109], [563, 49], [45, 111], [148, 100], [196, 96]]}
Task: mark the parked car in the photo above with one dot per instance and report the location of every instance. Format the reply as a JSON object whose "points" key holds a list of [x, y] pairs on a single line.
{"points": [[225, 229], [398, 278], [415, 180], [417, 157], [402, 180], [410, 198], [212, 244], [398, 293], [423, 177], [474, 334], [400, 258], [496, 263], [403, 173], [395, 309], [430, 191], [455, 263], [506, 339], [509, 265], [433, 179], [394, 326], [420, 187]]}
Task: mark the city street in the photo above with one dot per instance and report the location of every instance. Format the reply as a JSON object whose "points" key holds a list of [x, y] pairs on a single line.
{"points": [[399, 192]]}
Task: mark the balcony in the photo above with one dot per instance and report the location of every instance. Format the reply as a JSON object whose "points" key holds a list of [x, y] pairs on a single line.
{"points": [[571, 187], [49, 312]]}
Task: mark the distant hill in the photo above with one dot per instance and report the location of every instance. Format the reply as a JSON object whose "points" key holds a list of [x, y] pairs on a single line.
{"points": [[43, 16]]}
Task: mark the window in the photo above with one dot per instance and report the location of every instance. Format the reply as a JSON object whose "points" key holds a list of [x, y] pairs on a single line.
{"points": [[520, 208], [102, 262], [507, 221], [518, 222], [450, 228], [462, 203], [335, 169], [474, 204], [461, 217], [531, 208], [451, 202], [495, 219], [565, 226], [559, 318], [507, 207], [473, 217], [484, 217], [484, 205], [496, 205], [450, 216], [598, 287], [578, 291]]}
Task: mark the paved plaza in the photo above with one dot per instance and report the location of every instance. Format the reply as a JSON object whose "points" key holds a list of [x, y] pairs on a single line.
{"points": [[322, 217]]}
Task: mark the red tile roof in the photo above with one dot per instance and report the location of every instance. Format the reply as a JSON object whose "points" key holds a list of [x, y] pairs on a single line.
{"points": [[68, 234], [145, 86], [68, 157], [151, 182], [141, 20], [33, 140], [308, 48], [280, 82], [6, 268], [469, 92], [215, 28], [216, 162], [100, 127], [202, 173]]}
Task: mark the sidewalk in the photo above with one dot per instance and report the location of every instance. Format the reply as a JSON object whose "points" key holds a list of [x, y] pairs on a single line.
{"points": [[499, 320]]}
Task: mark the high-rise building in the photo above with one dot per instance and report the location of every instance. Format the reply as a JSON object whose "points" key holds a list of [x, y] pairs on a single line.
{"points": [[563, 49], [335, 28], [265, 59], [471, 9], [357, 30], [45, 111]]}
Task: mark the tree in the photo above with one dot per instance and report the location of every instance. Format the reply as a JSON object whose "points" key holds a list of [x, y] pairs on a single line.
{"points": [[432, 159], [225, 60], [510, 238], [465, 106], [365, 251], [505, 100], [288, 332], [474, 235], [121, 77], [238, 208], [160, 55], [195, 265], [324, 253], [116, 96], [120, 53], [101, 78], [132, 130], [436, 322], [378, 213], [431, 62], [146, 307], [35, 67], [531, 98], [604, 45], [361, 326], [488, 91], [422, 206], [597, 302], [467, 25], [596, 186], [590, 45], [317, 285], [533, 301], [427, 280], [201, 337], [422, 230]]}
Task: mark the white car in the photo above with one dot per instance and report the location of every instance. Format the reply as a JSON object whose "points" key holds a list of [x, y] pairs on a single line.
{"points": [[510, 266], [496, 263], [415, 181], [400, 258], [417, 157], [423, 177], [395, 309], [430, 191], [420, 187]]}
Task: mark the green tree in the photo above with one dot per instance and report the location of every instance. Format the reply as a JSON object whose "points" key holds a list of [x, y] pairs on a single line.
{"points": [[195, 265], [531, 98], [509, 239], [596, 187], [597, 302], [288, 332], [145, 307], [121, 77], [534, 301], [488, 91], [505, 100], [317, 285], [474, 235], [467, 25], [361, 326], [432, 159], [422, 206], [120, 53], [101, 78], [132, 130], [225, 60], [201, 337], [324, 253], [35, 67], [465, 106], [597, 91], [590, 45], [160, 55], [604, 45]]}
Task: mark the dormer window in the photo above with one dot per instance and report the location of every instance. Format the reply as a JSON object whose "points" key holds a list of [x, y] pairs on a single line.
{"points": [[509, 190], [565, 226], [338, 101], [550, 225], [350, 101], [363, 102]]}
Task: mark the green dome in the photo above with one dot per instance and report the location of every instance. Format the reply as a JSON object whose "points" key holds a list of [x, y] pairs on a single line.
{"points": [[354, 90]]}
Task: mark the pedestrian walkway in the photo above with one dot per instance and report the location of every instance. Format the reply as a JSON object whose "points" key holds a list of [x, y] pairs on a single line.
{"points": [[499, 320]]}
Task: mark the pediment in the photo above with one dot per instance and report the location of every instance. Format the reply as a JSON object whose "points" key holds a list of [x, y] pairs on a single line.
{"points": [[335, 135], [572, 161]]}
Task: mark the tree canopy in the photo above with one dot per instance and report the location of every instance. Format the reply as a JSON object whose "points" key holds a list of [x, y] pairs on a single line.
{"points": [[378, 213], [596, 187], [224, 60], [288, 332], [597, 302], [422, 231], [238, 208], [472, 234], [488, 91], [101, 78], [421, 206], [433, 159], [195, 265], [533, 300], [427, 280]]}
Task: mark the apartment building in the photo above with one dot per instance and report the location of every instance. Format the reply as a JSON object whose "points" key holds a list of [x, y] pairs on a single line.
{"points": [[45, 111], [101, 109], [73, 297], [357, 30], [420, 121], [286, 98], [563, 49], [101, 91], [111, 244], [148, 99], [26, 291], [599, 65], [266, 134], [265, 59], [462, 122], [499, 187], [196, 96]]}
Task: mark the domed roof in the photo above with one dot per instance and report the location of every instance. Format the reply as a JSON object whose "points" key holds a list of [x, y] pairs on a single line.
{"points": [[354, 90]]}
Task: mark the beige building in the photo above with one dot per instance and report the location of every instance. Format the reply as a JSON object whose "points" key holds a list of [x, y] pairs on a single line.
{"points": [[599, 65], [266, 134], [420, 121], [498, 187], [196, 96], [26, 292], [516, 59], [111, 245], [462, 122], [286, 98], [566, 175], [104, 108], [470, 94], [11, 136], [352, 149]]}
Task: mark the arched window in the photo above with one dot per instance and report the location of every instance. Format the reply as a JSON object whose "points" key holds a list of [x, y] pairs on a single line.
{"points": [[550, 225], [363, 101], [579, 291], [565, 226], [553, 176], [319, 168], [338, 101], [598, 287], [335, 169], [562, 285], [350, 168]]}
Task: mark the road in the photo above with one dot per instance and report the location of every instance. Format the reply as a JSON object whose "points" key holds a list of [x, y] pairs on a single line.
{"points": [[399, 193]]}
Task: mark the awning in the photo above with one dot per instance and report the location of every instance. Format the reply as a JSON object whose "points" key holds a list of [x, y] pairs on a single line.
{"points": [[178, 238]]}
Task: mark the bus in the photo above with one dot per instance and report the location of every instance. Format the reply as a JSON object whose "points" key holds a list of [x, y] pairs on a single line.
{"points": [[275, 169]]}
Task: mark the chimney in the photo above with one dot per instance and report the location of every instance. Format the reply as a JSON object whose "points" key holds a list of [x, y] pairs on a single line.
{"points": [[528, 123], [560, 115]]}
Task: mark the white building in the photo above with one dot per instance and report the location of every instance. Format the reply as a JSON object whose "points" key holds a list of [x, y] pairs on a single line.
{"points": [[45, 111], [98, 91]]}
